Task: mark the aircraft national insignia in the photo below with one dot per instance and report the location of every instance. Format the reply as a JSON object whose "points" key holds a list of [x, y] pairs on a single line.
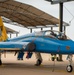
{"points": [[68, 47]]}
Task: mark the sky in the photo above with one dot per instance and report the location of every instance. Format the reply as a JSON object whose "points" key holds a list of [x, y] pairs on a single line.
{"points": [[54, 11]]}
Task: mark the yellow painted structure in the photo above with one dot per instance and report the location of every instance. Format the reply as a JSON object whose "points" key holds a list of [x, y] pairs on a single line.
{"points": [[3, 34]]}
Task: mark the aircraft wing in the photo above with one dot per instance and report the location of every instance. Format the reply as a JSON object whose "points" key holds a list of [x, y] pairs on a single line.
{"points": [[13, 46]]}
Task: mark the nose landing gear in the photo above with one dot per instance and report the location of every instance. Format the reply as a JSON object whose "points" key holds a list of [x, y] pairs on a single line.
{"points": [[69, 67]]}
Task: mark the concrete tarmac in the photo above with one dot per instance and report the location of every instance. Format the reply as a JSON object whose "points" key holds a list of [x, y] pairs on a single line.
{"points": [[11, 66]]}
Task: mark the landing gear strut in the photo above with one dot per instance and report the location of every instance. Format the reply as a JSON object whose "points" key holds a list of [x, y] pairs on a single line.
{"points": [[69, 67], [39, 59]]}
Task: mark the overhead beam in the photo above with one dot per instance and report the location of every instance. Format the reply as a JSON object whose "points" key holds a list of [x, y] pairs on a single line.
{"points": [[58, 1]]}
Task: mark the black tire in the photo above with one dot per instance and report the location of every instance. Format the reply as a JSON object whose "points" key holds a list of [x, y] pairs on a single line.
{"points": [[38, 62], [31, 47], [52, 58], [0, 62], [18, 58], [69, 68], [57, 59]]}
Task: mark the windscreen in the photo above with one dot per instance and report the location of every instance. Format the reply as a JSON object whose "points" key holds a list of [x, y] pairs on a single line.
{"points": [[56, 35]]}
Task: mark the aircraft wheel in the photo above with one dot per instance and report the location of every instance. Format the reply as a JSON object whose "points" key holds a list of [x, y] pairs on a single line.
{"points": [[57, 59], [38, 63], [0, 62], [69, 68], [52, 58], [31, 47]]}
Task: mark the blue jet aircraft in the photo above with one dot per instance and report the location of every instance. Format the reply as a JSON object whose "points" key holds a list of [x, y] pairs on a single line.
{"points": [[48, 41]]}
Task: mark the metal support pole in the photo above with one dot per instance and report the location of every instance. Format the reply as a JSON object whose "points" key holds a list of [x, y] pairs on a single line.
{"points": [[41, 29], [61, 18], [51, 28], [61, 24], [16, 34], [65, 29], [30, 30], [10, 35]]}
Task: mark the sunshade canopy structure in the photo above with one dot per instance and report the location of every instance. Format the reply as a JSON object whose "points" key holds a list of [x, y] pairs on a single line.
{"points": [[9, 30], [26, 15]]}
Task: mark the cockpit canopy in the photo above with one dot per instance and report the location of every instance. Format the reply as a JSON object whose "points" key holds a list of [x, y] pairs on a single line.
{"points": [[52, 34]]}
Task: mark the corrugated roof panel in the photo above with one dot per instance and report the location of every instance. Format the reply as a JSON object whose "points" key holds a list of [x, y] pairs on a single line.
{"points": [[26, 15]]}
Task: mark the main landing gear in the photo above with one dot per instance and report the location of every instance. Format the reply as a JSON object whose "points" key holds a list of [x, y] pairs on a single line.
{"points": [[39, 59], [0, 60], [69, 67], [38, 62]]}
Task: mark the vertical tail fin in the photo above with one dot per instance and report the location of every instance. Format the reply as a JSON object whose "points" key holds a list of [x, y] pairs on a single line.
{"points": [[3, 34]]}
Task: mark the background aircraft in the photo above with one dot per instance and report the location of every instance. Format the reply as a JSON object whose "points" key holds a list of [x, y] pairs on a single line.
{"points": [[44, 42]]}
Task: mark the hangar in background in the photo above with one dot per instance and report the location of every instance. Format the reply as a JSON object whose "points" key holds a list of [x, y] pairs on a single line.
{"points": [[10, 31], [27, 15]]}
